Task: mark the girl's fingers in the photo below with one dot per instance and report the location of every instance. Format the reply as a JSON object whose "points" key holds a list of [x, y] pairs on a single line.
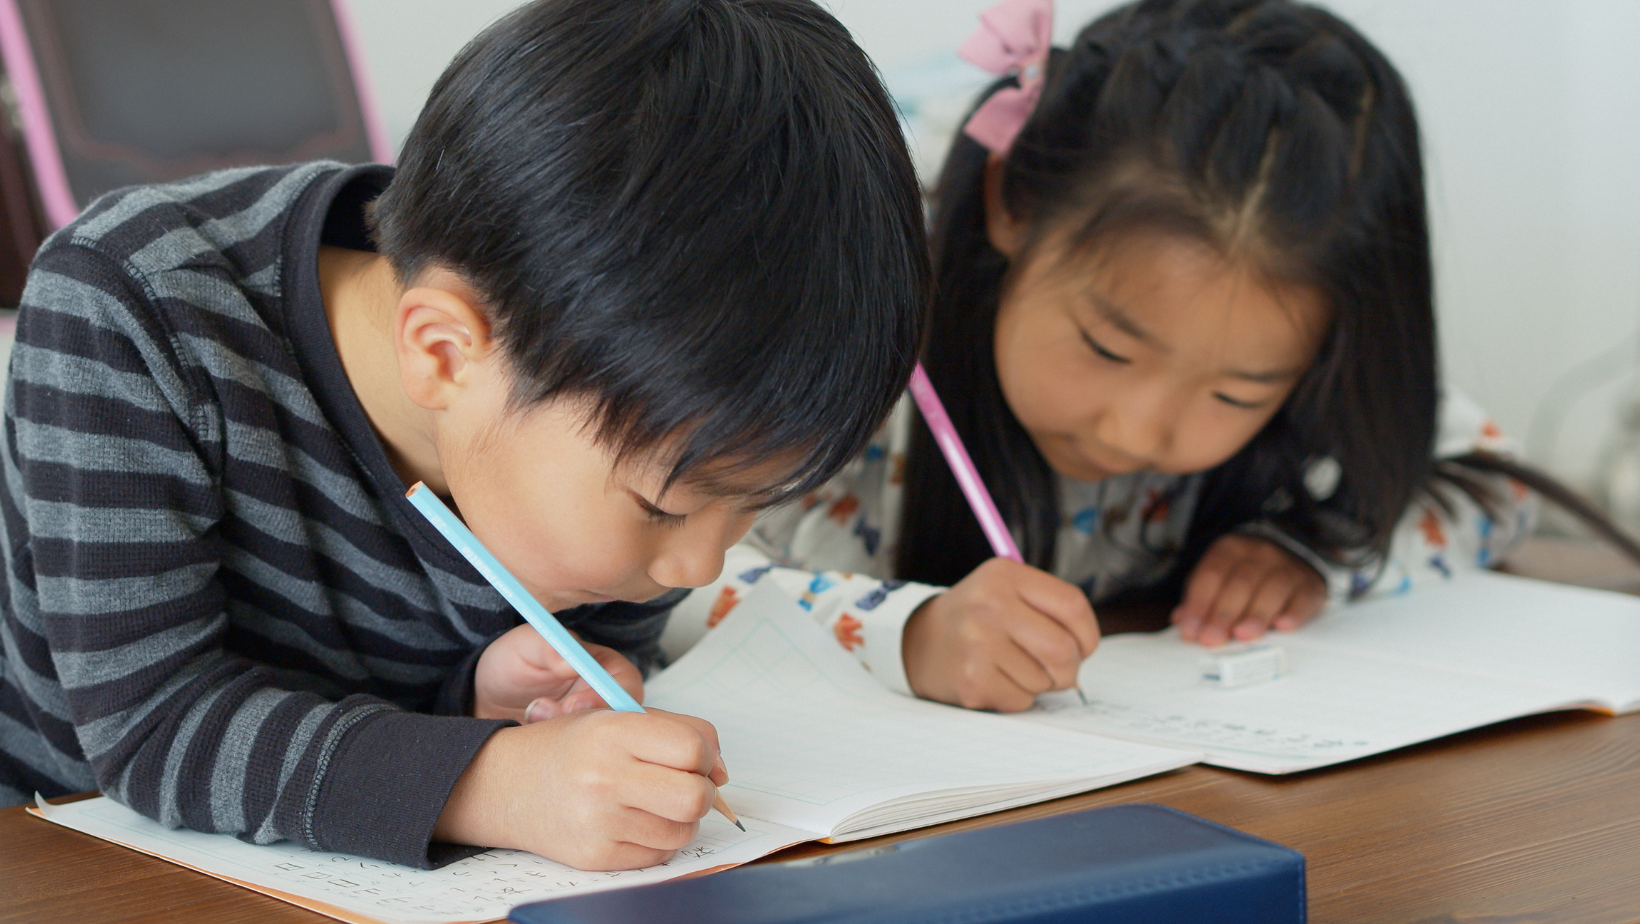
{"points": [[1228, 607], [1272, 598], [1307, 602], [1063, 603], [1051, 646], [1201, 592], [1024, 677]]}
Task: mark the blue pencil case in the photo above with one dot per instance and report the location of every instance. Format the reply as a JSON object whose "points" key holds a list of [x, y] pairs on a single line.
{"points": [[1134, 864]]}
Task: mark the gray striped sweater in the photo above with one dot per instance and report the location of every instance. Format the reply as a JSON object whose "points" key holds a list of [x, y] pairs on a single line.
{"points": [[219, 608]]}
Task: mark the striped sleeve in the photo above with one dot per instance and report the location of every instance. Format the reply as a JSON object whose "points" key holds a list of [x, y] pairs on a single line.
{"points": [[114, 510]]}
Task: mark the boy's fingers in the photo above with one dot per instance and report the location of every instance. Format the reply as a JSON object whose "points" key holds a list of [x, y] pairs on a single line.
{"points": [[681, 742], [670, 795], [626, 855], [647, 829], [625, 672]]}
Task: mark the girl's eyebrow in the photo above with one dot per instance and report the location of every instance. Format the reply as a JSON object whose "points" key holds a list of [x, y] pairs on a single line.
{"points": [[1272, 377], [1124, 322]]}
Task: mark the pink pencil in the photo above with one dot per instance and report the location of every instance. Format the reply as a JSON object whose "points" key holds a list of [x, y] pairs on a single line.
{"points": [[956, 455], [973, 488]]}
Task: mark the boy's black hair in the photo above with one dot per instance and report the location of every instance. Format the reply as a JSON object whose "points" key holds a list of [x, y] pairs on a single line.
{"points": [[1270, 130], [699, 213]]}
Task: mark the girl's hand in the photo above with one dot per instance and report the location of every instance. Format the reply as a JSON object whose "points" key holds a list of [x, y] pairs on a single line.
{"points": [[597, 790], [1002, 635], [521, 677], [1243, 587]]}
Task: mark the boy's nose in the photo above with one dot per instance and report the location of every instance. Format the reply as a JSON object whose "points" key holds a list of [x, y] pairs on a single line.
{"points": [[693, 559]]}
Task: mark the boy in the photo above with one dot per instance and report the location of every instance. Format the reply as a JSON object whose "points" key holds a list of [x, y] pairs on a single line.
{"points": [[621, 231]]}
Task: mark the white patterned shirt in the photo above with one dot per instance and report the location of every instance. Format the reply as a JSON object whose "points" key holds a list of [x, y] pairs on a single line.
{"points": [[834, 550]]}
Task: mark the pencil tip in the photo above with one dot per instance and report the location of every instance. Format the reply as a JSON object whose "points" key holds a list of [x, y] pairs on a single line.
{"points": [[739, 825], [1083, 695]]}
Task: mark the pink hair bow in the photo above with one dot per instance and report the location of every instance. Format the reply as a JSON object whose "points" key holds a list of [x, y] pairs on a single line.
{"points": [[1014, 37]]}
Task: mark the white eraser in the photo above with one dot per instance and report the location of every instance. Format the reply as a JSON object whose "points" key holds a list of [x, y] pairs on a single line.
{"points": [[1240, 666]]}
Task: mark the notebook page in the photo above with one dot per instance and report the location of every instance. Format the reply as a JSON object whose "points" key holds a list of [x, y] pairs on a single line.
{"points": [[1586, 642], [811, 740], [1372, 676], [1331, 706], [480, 888]]}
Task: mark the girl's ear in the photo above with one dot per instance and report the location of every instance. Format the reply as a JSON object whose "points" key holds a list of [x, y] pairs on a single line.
{"points": [[1006, 232]]}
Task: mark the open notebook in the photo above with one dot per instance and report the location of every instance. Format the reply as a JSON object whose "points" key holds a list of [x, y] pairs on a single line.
{"points": [[817, 749], [1373, 676]]}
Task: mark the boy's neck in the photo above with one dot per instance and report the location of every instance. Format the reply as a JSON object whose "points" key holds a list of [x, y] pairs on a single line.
{"points": [[361, 297]]}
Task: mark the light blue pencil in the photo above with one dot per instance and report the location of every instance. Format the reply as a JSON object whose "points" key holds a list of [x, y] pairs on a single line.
{"points": [[423, 499]]}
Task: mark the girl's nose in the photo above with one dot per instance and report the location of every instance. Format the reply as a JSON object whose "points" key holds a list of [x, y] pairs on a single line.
{"points": [[1139, 427]]}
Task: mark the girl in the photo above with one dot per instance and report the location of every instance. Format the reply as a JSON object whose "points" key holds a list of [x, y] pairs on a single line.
{"points": [[1184, 325]]}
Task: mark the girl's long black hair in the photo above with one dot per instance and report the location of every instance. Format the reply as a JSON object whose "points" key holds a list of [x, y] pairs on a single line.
{"points": [[1270, 130]]}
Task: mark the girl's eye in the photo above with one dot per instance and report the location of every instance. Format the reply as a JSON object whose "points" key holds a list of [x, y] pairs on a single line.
{"points": [[1099, 348], [1244, 405]]}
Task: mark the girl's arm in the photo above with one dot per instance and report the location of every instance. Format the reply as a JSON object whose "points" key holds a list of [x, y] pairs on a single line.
{"points": [[1438, 539], [866, 614], [845, 532], [1441, 536]]}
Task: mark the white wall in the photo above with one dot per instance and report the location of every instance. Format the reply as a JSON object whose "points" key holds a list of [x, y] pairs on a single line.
{"points": [[1531, 113]]}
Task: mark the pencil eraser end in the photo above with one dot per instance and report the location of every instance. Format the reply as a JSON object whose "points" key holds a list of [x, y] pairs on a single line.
{"points": [[1240, 666]]}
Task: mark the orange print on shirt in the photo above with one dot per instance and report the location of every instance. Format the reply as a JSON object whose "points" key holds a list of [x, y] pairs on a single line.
{"points": [[844, 508], [848, 632], [1490, 430], [726, 600], [1430, 525], [1156, 508]]}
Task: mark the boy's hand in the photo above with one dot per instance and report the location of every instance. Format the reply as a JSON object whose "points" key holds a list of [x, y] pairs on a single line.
{"points": [[1243, 587], [1002, 635], [521, 677], [597, 790]]}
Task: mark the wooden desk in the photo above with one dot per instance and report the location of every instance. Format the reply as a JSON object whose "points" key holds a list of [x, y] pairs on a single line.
{"points": [[1536, 820]]}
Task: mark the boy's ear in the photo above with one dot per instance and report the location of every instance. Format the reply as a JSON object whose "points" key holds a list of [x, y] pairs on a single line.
{"points": [[1006, 232], [442, 337]]}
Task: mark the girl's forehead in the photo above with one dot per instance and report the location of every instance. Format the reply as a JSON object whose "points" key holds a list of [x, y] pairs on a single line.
{"points": [[1179, 295]]}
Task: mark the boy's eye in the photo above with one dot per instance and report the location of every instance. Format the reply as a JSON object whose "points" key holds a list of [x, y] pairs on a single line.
{"points": [[657, 515], [1099, 348], [1234, 402]]}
